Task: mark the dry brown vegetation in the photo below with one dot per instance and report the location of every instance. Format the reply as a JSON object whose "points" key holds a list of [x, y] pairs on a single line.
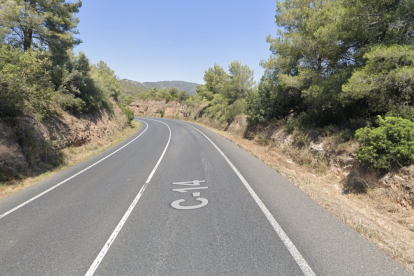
{"points": [[71, 156], [356, 196]]}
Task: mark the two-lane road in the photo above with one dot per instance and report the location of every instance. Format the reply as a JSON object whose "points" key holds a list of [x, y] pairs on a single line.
{"points": [[177, 199]]}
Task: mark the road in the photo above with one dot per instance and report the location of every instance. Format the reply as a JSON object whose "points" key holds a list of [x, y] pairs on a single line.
{"points": [[177, 199]]}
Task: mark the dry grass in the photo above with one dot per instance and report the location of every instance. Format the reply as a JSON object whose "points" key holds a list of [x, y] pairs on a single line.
{"points": [[376, 214], [72, 156]]}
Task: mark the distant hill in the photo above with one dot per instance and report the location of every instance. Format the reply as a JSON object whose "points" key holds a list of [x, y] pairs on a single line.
{"points": [[133, 88], [190, 87]]}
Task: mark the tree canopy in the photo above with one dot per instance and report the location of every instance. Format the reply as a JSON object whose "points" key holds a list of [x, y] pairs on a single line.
{"points": [[323, 51], [45, 24]]}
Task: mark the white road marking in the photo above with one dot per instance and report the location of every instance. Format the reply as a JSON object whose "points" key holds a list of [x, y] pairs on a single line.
{"points": [[176, 204], [304, 266], [184, 190], [67, 179], [118, 228], [190, 183]]}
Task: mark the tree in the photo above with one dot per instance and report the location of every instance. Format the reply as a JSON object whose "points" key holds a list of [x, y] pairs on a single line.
{"points": [[47, 24], [152, 92], [183, 96], [240, 81], [385, 83], [321, 43], [128, 100], [24, 82], [260, 106], [215, 79], [107, 78], [173, 92], [143, 96]]}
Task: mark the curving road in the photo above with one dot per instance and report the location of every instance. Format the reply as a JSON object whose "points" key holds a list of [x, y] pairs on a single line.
{"points": [[177, 199]]}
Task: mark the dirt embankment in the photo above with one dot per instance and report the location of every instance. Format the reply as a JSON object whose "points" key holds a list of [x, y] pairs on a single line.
{"points": [[378, 205], [27, 144]]}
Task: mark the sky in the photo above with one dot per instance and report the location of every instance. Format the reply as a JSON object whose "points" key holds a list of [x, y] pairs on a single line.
{"points": [[161, 40]]}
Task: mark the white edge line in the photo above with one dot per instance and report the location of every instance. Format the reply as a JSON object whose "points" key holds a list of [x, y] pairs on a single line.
{"points": [[67, 179], [304, 266], [118, 228]]}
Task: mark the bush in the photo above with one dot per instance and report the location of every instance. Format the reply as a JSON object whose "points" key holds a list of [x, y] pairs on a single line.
{"points": [[24, 82], [389, 144], [233, 110], [128, 113], [261, 106]]}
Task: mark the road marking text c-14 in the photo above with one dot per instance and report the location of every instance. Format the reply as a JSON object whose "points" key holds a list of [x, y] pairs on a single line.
{"points": [[176, 204]]}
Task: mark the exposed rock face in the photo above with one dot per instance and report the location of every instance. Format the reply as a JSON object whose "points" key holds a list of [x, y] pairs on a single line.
{"points": [[171, 109], [52, 135]]}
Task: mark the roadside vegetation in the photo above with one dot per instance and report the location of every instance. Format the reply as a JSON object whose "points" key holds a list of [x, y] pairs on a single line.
{"points": [[39, 71], [41, 77], [346, 66]]}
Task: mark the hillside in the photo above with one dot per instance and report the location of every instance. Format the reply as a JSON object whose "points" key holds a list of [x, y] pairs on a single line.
{"points": [[130, 87], [190, 87]]}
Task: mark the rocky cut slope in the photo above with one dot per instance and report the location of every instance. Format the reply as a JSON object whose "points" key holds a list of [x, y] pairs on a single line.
{"points": [[30, 146]]}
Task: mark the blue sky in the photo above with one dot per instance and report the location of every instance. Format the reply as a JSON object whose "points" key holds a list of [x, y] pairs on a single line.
{"points": [[156, 40]]}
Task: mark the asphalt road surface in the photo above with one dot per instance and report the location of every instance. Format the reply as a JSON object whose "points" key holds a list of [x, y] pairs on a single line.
{"points": [[177, 199]]}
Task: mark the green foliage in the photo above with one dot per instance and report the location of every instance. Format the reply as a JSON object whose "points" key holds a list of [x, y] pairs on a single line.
{"points": [[129, 99], [342, 60], [162, 112], [161, 94], [299, 139], [24, 82], [345, 135], [385, 82], [130, 89], [143, 96], [183, 96], [233, 110], [39, 73], [261, 106], [153, 92], [190, 87], [232, 86], [240, 81], [389, 144], [40, 24], [128, 112], [173, 92], [215, 80], [217, 106], [203, 93]]}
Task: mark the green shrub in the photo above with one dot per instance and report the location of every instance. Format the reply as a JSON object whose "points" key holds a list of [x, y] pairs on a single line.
{"points": [[233, 110], [291, 124], [300, 139], [389, 144], [345, 135], [162, 112], [24, 82], [128, 112]]}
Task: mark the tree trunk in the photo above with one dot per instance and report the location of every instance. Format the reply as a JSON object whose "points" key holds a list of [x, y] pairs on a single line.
{"points": [[28, 37]]}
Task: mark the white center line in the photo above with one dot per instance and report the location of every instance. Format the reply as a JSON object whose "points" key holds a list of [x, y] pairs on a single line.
{"points": [[67, 179], [118, 228], [304, 266]]}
